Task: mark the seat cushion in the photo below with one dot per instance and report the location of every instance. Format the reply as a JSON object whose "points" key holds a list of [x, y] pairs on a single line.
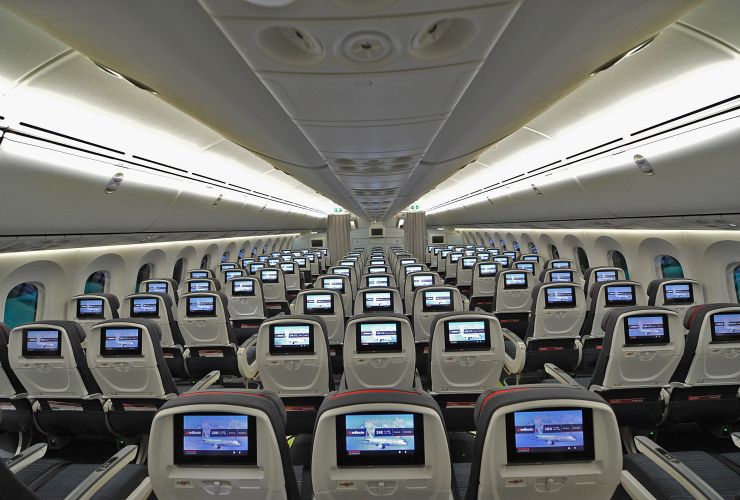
{"points": [[119, 487]]}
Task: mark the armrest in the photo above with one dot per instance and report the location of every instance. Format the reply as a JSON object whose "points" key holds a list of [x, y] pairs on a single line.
{"points": [[634, 489], [479, 310], [206, 381], [250, 340], [26, 457], [673, 466], [102, 474], [90, 397], [515, 364], [736, 438], [248, 371], [281, 313], [560, 375]]}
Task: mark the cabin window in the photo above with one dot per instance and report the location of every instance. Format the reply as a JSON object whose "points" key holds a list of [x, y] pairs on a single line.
{"points": [[241, 253], [225, 257], [254, 251], [145, 272], [736, 281], [21, 305], [516, 246], [668, 267], [582, 258], [264, 249], [617, 260], [490, 241], [532, 248], [98, 282], [205, 261], [554, 252], [177, 272], [503, 245]]}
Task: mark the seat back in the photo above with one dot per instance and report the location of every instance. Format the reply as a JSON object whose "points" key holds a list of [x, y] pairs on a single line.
{"points": [[503, 261], [677, 294], [326, 304], [383, 443], [379, 351], [126, 359], [245, 298], [404, 261], [431, 301], [609, 295], [378, 300], [712, 346], [484, 279], [451, 264], [414, 281], [48, 359], [164, 285], [204, 319], [200, 285], [566, 275], [558, 311], [376, 280], [291, 275], [90, 308], [201, 273], [273, 284], [238, 432], [293, 356], [349, 272], [601, 274], [254, 268], [157, 308], [464, 273], [544, 440], [641, 349], [341, 284], [9, 383], [442, 260], [466, 353], [404, 271], [559, 264], [513, 291]]}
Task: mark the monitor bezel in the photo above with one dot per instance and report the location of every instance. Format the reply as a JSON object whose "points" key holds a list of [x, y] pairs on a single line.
{"points": [[236, 293], [318, 312], [467, 345], [435, 309], [678, 302], [507, 286], [121, 354], [292, 351], [201, 314], [366, 309], [663, 340], [573, 304], [723, 339], [83, 316], [619, 303], [375, 348], [180, 459], [133, 314], [56, 353]]}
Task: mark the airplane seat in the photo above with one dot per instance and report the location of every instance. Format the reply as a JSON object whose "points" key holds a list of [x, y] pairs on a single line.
{"points": [[227, 444], [559, 264], [518, 452], [641, 351], [605, 295], [157, 307], [200, 285], [294, 362], [379, 352], [341, 284], [209, 338], [552, 336], [466, 356], [126, 359], [704, 388], [13, 396], [162, 285], [90, 308], [464, 274], [328, 305], [417, 280], [483, 285], [48, 359], [292, 279], [247, 308], [451, 268], [375, 280], [378, 300], [513, 299], [678, 294], [600, 274], [428, 303], [381, 443], [350, 273], [562, 275], [274, 291]]}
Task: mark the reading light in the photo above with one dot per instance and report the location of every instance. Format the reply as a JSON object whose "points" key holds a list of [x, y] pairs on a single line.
{"points": [[644, 165], [537, 191], [114, 183], [218, 200]]}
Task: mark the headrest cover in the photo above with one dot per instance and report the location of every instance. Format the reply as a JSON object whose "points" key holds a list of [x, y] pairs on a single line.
{"points": [[5, 330], [695, 315]]}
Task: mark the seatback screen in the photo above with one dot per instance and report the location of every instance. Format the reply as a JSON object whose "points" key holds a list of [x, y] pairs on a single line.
{"points": [[378, 336], [269, 276], [318, 303], [445, 253], [242, 288], [199, 286], [405, 262], [436, 301], [380, 439], [120, 341], [39, 343], [413, 269], [502, 261], [469, 253], [525, 266], [620, 295], [677, 294], [378, 301], [510, 254], [144, 308], [515, 281], [286, 258], [341, 270], [377, 262], [469, 263], [272, 262], [646, 329], [301, 261], [253, 268], [287, 267], [291, 339], [199, 274], [157, 287], [606, 276], [201, 306], [560, 297], [560, 265], [311, 257], [549, 435], [725, 327], [467, 335], [263, 258], [215, 439], [90, 309], [454, 257], [483, 256], [352, 258], [333, 284], [227, 266], [348, 263], [230, 275], [422, 280], [561, 277], [374, 281], [495, 251], [532, 258], [377, 270], [487, 270]]}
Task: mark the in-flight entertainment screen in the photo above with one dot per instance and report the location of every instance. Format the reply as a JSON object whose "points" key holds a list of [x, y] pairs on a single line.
{"points": [[439, 300], [646, 329], [560, 297], [291, 339], [215, 439], [620, 295], [120, 341], [201, 306], [380, 439], [90, 309], [242, 288], [467, 335], [41, 343], [677, 294], [549, 435], [725, 327], [380, 336]]}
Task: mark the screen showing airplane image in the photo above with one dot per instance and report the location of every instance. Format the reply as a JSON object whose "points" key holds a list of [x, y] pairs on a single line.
{"points": [[144, 307], [344, 272], [378, 300], [377, 262], [549, 432], [525, 266], [620, 295], [487, 270], [437, 300], [423, 280], [348, 263], [215, 439], [646, 329], [504, 261], [405, 262], [561, 277], [242, 287], [376, 270], [318, 302], [121, 342], [272, 262], [253, 268], [291, 339], [199, 274], [484, 256], [515, 280], [90, 308], [559, 297], [42, 343], [373, 337], [374, 281], [381, 439], [269, 276], [561, 265], [300, 261], [201, 306], [532, 258], [199, 286], [466, 335], [678, 294], [227, 266], [156, 287], [606, 276], [334, 284], [413, 269], [469, 263], [230, 275], [726, 327], [287, 267], [470, 252]]}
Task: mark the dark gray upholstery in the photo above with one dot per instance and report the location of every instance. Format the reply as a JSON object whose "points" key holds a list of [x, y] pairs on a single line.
{"points": [[18, 420]]}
